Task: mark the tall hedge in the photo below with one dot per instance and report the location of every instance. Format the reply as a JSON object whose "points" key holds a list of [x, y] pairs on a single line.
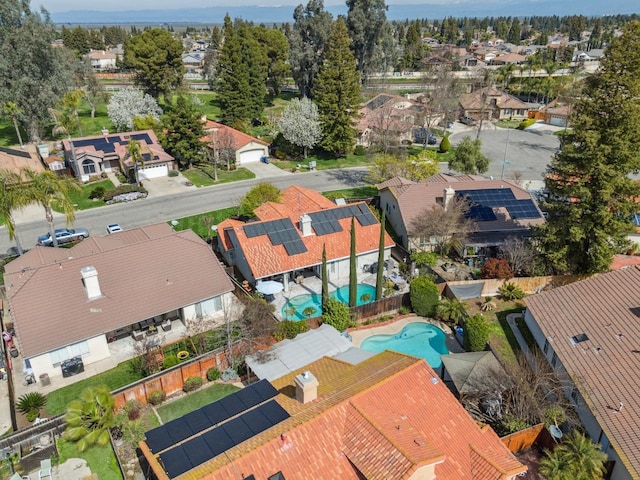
{"points": [[475, 333], [445, 145], [336, 314], [424, 296]]}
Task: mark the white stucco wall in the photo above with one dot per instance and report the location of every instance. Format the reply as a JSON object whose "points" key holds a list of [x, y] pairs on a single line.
{"points": [[389, 204], [98, 350]]}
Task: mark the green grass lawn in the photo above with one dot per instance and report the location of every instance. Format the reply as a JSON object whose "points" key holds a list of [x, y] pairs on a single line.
{"points": [[82, 200], [115, 378], [356, 192], [201, 224], [193, 401], [323, 163], [203, 175], [101, 460]]}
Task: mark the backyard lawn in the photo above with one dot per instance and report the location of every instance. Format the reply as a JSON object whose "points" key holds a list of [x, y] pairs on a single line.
{"points": [[115, 378], [82, 201], [100, 459], [193, 401], [203, 175]]}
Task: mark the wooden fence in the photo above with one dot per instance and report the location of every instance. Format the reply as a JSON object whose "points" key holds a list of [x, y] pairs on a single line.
{"points": [[529, 285], [524, 439], [384, 305]]}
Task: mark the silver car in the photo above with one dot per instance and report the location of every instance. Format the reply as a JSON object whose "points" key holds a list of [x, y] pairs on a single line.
{"points": [[63, 235]]}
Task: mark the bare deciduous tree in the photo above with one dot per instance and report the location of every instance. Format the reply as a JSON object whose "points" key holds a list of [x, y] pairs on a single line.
{"points": [[444, 225], [519, 253]]}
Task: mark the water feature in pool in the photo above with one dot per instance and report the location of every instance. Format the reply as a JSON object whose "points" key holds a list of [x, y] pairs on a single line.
{"points": [[311, 303], [418, 339]]}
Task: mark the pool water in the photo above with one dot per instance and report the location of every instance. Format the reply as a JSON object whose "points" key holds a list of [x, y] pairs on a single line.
{"points": [[418, 339], [311, 303]]}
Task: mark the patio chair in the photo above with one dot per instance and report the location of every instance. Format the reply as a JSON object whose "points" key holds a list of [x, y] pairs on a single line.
{"points": [[45, 469], [17, 476]]}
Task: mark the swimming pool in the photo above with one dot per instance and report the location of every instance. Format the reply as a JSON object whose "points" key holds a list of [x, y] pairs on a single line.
{"points": [[418, 339], [310, 304]]}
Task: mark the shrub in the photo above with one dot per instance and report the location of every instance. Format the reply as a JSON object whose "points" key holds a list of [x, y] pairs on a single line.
{"points": [[157, 397], [496, 268], [192, 383], [429, 259], [424, 296], [133, 408], [475, 333], [173, 173], [120, 189], [97, 193], [365, 297], [404, 310], [213, 374], [30, 404], [170, 360], [336, 314], [526, 123], [510, 291], [289, 329], [445, 145], [359, 150]]}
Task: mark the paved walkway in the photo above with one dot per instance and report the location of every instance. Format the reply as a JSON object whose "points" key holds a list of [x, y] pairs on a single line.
{"points": [[511, 321], [265, 170], [72, 469]]}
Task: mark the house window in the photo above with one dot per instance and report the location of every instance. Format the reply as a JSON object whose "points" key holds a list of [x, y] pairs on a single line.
{"points": [[423, 241], [88, 167], [574, 396], [70, 351], [554, 360], [545, 349], [208, 307], [507, 111]]}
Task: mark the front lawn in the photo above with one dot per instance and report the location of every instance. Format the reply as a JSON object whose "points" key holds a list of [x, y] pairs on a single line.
{"points": [[203, 175], [81, 200], [100, 459], [356, 192], [201, 224], [323, 163], [193, 401], [115, 378]]}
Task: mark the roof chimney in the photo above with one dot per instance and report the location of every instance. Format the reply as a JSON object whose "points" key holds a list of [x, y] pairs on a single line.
{"points": [[306, 387], [449, 193], [305, 225], [91, 284]]}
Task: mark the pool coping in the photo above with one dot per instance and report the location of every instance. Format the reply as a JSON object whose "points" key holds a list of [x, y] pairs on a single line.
{"points": [[391, 327]]}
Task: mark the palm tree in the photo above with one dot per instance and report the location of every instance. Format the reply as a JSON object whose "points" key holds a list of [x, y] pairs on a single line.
{"points": [[11, 109], [577, 458], [46, 187], [90, 417], [451, 310], [12, 197], [136, 156]]}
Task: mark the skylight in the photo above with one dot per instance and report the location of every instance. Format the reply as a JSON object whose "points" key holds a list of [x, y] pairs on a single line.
{"points": [[582, 337]]}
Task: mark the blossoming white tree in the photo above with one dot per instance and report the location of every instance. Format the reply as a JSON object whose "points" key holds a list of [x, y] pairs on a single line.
{"points": [[130, 103], [300, 124]]}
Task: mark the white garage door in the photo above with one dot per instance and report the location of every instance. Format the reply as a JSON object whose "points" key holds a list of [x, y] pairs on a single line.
{"points": [[251, 156], [154, 171], [558, 121]]}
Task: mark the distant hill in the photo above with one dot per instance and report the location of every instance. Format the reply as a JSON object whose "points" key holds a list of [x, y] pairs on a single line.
{"points": [[280, 14]]}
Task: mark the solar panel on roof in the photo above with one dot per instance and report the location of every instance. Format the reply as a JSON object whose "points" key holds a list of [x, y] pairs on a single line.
{"points": [[215, 412], [230, 405], [218, 441], [237, 430], [15, 153], [254, 230], [295, 248], [256, 421], [263, 389], [142, 137], [248, 396], [158, 439], [274, 412], [198, 451], [197, 420], [178, 430], [175, 461]]}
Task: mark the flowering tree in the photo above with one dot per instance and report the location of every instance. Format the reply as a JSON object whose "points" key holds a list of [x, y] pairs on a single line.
{"points": [[130, 103], [300, 124]]}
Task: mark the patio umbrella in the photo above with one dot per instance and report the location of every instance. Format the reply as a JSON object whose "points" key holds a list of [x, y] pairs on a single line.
{"points": [[269, 287]]}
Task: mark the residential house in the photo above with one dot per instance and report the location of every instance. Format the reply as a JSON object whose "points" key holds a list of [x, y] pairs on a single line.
{"points": [[509, 58], [81, 301], [499, 208], [245, 148], [193, 62], [388, 416], [15, 159], [88, 156], [288, 238], [588, 331], [102, 60], [391, 119], [493, 104], [555, 113]]}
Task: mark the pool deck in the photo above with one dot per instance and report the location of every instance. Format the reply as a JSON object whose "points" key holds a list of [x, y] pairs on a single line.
{"points": [[358, 335]]}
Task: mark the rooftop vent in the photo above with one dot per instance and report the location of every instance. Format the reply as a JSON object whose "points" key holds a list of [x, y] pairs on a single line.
{"points": [[582, 337]]}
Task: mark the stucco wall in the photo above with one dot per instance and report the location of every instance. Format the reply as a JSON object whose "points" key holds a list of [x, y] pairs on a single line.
{"points": [[98, 350]]}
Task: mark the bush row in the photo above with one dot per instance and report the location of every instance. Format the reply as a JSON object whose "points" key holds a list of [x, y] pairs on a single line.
{"points": [[120, 189]]}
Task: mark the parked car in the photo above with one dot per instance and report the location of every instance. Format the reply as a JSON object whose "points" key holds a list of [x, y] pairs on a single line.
{"points": [[113, 228], [468, 120], [63, 235]]}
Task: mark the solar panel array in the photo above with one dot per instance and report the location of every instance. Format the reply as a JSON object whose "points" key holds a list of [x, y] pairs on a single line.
{"points": [[15, 153], [280, 232], [235, 418], [326, 222], [484, 201], [108, 146], [212, 414], [142, 137]]}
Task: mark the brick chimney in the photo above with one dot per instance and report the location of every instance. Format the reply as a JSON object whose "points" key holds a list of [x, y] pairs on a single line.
{"points": [[91, 284], [306, 387]]}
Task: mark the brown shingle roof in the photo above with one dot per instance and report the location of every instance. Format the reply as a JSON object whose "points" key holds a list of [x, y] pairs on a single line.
{"points": [[384, 416], [138, 280], [605, 367]]}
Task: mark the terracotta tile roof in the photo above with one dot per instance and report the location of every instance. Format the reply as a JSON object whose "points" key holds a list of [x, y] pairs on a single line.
{"points": [[13, 159], [240, 139], [624, 261], [138, 279], [603, 368], [384, 417], [265, 259], [414, 199]]}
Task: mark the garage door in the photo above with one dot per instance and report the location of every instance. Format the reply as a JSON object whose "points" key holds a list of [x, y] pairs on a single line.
{"points": [[558, 121], [154, 171], [251, 156]]}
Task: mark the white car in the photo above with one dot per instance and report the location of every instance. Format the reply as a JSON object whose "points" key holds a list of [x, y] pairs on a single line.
{"points": [[113, 228]]}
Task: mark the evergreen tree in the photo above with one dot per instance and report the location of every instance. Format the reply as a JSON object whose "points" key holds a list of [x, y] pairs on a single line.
{"points": [[353, 274], [325, 279], [469, 158], [181, 132], [365, 20], [379, 273], [590, 195], [337, 93]]}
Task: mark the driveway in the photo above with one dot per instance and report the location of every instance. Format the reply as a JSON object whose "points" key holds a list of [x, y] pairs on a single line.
{"points": [[526, 152]]}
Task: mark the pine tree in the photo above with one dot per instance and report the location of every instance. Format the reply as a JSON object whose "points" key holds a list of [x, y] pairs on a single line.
{"points": [[337, 93], [590, 195], [181, 133]]}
